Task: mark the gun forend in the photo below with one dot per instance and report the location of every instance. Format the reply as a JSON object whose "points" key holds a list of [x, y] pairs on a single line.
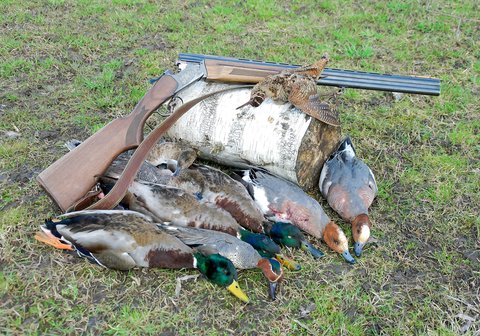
{"points": [[240, 70]]}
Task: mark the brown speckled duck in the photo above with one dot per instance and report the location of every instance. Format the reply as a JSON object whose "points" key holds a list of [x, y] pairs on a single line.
{"points": [[123, 240]]}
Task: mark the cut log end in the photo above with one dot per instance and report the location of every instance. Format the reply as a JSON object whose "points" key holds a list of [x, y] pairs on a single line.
{"points": [[319, 141]]}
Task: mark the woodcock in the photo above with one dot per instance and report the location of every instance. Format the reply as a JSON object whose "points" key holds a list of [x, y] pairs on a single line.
{"points": [[299, 87]]}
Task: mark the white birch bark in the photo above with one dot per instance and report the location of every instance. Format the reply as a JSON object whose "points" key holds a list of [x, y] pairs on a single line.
{"points": [[269, 136]]}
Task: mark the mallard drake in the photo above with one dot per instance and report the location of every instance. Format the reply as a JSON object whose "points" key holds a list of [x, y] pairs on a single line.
{"points": [[349, 186], [283, 201], [123, 240], [208, 184], [242, 255], [178, 207]]}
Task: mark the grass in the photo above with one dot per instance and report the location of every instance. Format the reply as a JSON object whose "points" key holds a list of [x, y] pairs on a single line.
{"points": [[69, 67]]}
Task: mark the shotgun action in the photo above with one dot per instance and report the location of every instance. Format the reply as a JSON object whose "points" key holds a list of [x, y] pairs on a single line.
{"points": [[241, 70]]}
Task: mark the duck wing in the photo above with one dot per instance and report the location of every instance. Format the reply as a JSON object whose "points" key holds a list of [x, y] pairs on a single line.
{"points": [[230, 195], [347, 182]]}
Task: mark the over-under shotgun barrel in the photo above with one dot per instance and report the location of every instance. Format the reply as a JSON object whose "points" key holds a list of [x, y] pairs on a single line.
{"points": [[238, 70]]}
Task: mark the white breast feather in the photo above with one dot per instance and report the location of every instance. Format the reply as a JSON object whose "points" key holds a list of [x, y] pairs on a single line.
{"points": [[261, 198]]}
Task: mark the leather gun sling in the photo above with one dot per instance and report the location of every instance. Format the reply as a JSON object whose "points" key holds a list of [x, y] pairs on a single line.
{"points": [[120, 188]]}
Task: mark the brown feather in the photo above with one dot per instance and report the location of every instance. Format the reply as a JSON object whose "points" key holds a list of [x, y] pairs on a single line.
{"points": [[304, 96], [299, 87]]}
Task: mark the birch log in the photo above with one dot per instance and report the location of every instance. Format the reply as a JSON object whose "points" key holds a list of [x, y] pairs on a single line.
{"points": [[277, 137]]}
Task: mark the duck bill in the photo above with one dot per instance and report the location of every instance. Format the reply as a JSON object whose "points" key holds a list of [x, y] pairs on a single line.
{"points": [[235, 289], [348, 257], [358, 248], [272, 290], [288, 263], [316, 253]]}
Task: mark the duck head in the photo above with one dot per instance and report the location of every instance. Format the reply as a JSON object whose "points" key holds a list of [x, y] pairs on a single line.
{"points": [[267, 248], [287, 234], [220, 271], [185, 160], [272, 270], [361, 232], [337, 241]]}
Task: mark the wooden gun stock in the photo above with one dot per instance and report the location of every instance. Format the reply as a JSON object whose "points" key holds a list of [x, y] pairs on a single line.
{"points": [[71, 177], [235, 72]]}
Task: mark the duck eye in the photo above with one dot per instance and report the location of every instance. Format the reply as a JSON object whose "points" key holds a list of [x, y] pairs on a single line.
{"points": [[289, 237], [336, 242]]}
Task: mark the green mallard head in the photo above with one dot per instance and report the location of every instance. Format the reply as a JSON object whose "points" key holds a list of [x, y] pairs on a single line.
{"points": [[260, 242], [267, 248], [220, 271], [287, 234]]}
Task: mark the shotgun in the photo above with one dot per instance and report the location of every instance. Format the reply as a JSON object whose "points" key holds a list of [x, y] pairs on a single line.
{"points": [[73, 176], [241, 70]]}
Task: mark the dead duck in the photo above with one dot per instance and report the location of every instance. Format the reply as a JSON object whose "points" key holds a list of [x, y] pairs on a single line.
{"points": [[208, 185], [242, 255], [123, 240], [212, 185], [283, 201], [349, 186], [178, 207]]}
